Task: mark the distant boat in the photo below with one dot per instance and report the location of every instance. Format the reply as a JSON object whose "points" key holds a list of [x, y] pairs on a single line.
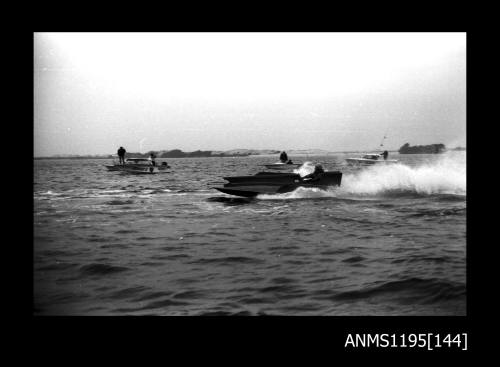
{"points": [[369, 159], [137, 166], [372, 158]]}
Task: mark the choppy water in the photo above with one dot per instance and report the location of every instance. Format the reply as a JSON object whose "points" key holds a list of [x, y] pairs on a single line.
{"points": [[389, 241]]}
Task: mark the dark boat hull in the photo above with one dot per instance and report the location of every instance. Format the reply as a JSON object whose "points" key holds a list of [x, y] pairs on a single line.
{"points": [[241, 192], [276, 183], [137, 168]]}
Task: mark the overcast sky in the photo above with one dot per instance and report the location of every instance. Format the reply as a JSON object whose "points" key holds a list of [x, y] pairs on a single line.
{"points": [[94, 92]]}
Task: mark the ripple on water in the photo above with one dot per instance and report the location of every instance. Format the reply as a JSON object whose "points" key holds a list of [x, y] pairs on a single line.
{"points": [[412, 290], [97, 269], [127, 292], [151, 295], [354, 259], [125, 231], [191, 294], [229, 260], [163, 304], [119, 202], [58, 265]]}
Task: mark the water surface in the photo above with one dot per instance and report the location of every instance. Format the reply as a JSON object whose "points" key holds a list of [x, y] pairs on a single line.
{"points": [[389, 241]]}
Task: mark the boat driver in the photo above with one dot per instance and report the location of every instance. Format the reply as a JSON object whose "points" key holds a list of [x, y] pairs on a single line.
{"points": [[121, 155], [283, 157], [318, 168], [385, 154]]}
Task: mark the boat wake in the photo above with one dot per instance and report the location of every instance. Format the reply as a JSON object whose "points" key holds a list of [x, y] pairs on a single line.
{"points": [[446, 176]]}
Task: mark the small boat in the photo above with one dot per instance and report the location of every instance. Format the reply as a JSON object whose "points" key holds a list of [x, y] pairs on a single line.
{"points": [[373, 158], [138, 166], [277, 183], [369, 159], [282, 165]]}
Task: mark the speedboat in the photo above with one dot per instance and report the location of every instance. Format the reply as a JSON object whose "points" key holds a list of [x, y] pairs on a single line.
{"points": [[282, 165], [137, 166], [277, 183], [369, 159], [373, 158]]}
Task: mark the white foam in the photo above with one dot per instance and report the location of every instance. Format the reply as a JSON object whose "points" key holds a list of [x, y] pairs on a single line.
{"points": [[50, 193], [446, 175], [301, 193]]}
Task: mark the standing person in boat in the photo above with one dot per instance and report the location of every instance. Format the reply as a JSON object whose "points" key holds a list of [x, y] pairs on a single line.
{"points": [[283, 157], [152, 159], [385, 154], [121, 155]]}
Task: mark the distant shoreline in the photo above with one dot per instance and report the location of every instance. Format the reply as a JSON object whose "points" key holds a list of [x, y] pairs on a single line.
{"points": [[226, 155], [177, 153], [427, 149]]}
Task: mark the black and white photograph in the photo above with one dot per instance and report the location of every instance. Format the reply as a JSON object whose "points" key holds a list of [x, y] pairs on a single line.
{"points": [[249, 174]]}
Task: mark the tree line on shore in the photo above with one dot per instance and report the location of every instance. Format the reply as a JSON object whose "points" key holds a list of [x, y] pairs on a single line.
{"points": [[177, 153], [422, 149]]}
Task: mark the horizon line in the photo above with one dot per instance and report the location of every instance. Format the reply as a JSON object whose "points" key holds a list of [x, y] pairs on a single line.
{"points": [[162, 150]]}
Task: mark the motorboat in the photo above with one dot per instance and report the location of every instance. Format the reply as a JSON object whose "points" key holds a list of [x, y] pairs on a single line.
{"points": [[138, 166], [282, 165], [277, 183], [369, 159], [373, 158]]}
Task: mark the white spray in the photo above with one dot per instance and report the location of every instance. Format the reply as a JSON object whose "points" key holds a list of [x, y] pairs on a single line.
{"points": [[445, 175]]}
